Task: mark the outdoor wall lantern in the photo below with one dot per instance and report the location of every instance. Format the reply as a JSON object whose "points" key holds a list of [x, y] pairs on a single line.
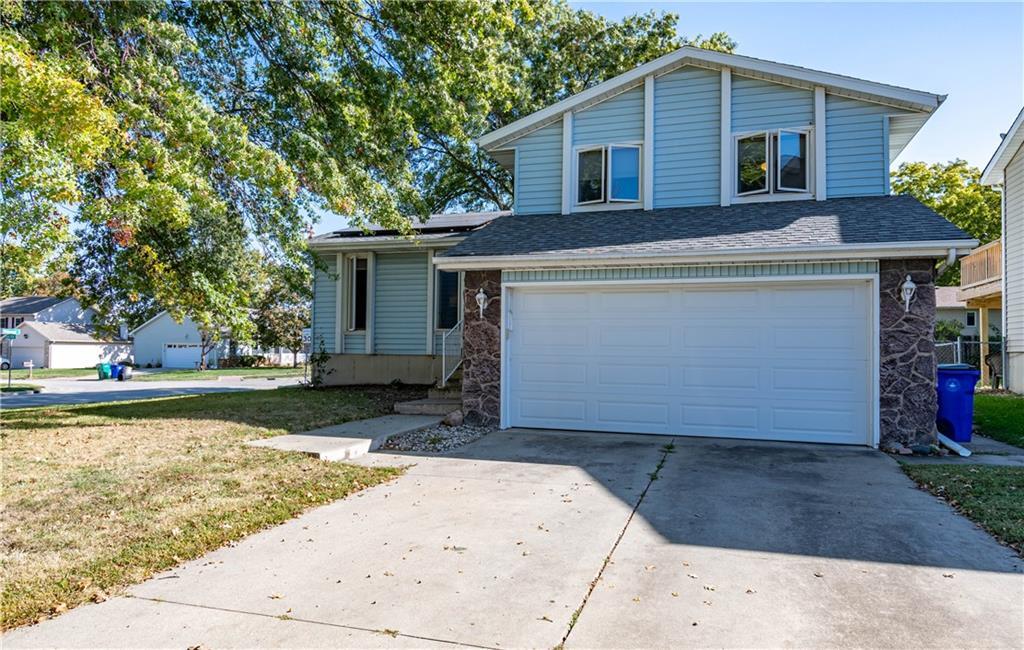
{"points": [[482, 301], [907, 290]]}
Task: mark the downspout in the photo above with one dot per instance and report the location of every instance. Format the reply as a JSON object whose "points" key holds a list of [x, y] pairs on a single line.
{"points": [[946, 263]]}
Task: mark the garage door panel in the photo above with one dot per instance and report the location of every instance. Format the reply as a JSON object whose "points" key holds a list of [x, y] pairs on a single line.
{"points": [[782, 362]]}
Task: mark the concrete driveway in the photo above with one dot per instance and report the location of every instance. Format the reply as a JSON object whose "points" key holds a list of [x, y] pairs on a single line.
{"points": [[89, 390], [526, 539]]}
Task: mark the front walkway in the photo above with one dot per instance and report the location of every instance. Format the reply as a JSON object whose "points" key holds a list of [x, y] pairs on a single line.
{"points": [[497, 545]]}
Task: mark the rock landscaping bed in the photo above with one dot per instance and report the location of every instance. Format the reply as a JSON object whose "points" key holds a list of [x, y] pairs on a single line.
{"points": [[437, 438]]}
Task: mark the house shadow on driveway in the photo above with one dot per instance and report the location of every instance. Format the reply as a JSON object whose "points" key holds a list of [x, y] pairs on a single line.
{"points": [[799, 499]]}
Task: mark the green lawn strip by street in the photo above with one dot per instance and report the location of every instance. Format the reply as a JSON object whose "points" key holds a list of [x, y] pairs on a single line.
{"points": [[97, 497], [18, 388], [992, 496], [1000, 416], [186, 375], [48, 373]]}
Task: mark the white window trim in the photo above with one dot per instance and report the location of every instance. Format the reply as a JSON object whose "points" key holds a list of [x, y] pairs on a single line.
{"points": [[437, 297], [772, 193], [807, 164], [576, 173], [968, 319], [605, 203], [350, 306], [640, 172]]}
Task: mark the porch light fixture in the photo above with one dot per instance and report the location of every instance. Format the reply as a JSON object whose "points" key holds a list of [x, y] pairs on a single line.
{"points": [[482, 301], [907, 290]]}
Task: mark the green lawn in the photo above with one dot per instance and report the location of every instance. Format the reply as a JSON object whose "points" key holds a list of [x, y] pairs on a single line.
{"points": [[97, 497], [989, 495], [48, 373], [17, 388], [1000, 416], [179, 375]]}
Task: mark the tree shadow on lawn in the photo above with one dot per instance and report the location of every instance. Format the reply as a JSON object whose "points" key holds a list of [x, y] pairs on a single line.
{"points": [[796, 499], [291, 409]]}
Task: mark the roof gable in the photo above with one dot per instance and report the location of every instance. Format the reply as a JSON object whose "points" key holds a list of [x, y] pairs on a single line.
{"points": [[1007, 149], [903, 98]]}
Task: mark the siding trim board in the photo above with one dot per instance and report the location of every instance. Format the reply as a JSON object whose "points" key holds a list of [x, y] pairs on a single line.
{"points": [[694, 272]]}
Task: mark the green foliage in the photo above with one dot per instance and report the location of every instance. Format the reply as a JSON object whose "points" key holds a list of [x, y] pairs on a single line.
{"points": [[282, 312], [955, 192], [948, 330]]}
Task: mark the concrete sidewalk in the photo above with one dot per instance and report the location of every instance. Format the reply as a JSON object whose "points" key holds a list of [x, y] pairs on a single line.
{"points": [[59, 392], [525, 537]]}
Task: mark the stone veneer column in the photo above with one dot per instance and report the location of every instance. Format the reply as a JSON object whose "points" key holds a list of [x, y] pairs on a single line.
{"points": [[907, 355], [481, 350]]}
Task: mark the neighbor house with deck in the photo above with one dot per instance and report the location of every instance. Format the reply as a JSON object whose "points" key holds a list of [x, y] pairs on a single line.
{"points": [[705, 245], [993, 276]]}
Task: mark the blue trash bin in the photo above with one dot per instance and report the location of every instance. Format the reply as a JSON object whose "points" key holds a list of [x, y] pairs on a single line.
{"points": [[955, 418], [115, 370]]}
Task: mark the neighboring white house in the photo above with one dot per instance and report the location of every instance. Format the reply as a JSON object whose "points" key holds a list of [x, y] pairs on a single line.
{"points": [[163, 342], [949, 307], [1006, 170], [16, 310], [63, 345]]}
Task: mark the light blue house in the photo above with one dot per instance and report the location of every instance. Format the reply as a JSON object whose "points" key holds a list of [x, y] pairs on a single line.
{"points": [[704, 245]]}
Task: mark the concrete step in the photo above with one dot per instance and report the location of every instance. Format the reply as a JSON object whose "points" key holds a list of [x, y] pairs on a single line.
{"points": [[428, 406], [348, 440], [451, 391]]}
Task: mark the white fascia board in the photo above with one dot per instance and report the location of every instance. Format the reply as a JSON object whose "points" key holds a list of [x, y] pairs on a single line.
{"points": [[936, 249], [993, 174], [371, 244], [884, 93]]}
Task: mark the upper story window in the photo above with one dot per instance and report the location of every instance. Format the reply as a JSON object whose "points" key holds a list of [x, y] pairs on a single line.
{"points": [[771, 162], [608, 174]]}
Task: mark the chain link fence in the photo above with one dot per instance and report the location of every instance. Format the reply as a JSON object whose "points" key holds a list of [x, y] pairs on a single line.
{"points": [[971, 352]]}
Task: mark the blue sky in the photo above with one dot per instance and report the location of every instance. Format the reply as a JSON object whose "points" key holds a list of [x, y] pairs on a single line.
{"points": [[973, 52]]}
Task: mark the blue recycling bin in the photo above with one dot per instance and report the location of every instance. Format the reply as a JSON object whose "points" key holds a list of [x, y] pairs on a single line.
{"points": [[955, 418], [115, 370]]}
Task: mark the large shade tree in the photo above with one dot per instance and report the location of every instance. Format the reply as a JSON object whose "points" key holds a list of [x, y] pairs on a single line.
{"points": [[191, 139]]}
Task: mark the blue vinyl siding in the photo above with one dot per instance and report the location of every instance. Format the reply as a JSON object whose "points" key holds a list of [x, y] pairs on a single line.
{"points": [[355, 343], [855, 150], [758, 104], [616, 119], [687, 120], [708, 271], [400, 308], [325, 299], [539, 165]]}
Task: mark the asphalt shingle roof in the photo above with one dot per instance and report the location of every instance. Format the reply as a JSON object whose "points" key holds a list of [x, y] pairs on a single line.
{"points": [[436, 224], [28, 304], [860, 220]]}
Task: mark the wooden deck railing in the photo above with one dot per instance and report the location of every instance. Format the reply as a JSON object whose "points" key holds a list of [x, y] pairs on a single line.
{"points": [[983, 265]]}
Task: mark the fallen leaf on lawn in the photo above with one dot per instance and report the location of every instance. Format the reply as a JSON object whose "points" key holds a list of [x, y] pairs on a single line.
{"points": [[277, 596], [690, 575], [818, 574], [636, 599], [751, 591], [545, 618], [675, 594], [709, 587], [947, 575]]}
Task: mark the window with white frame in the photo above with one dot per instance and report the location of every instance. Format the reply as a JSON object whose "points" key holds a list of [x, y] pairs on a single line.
{"points": [[972, 319], [358, 299], [773, 162], [608, 174]]}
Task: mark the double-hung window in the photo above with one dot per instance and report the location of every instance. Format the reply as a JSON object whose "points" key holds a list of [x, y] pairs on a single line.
{"points": [[608, 174], [772, 162], [359, 293]]}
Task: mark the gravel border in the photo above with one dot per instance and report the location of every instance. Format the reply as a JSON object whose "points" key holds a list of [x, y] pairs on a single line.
{"points": [[439, 437]]}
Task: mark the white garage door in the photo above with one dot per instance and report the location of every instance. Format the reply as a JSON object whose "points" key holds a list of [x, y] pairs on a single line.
{"points": [[181, 355], [771, 361]]}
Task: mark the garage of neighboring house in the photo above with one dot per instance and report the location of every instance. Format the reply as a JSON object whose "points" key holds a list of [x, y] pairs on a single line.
{"points": [[763, 360], [164, 342], [64, 345], [182, 355]]}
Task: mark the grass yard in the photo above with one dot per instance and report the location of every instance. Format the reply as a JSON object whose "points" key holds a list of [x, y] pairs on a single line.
{"points": [[17, 388], [1000, 416], [179, 375], [989, 495], [97, 497], [48, 373]]}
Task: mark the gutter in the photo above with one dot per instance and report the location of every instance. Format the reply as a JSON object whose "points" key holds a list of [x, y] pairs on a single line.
{"points": [[931, 249], [370, 243]]}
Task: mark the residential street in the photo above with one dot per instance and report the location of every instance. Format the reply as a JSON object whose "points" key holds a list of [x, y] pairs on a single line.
{"points": [[87, 390], [733, 544]]}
